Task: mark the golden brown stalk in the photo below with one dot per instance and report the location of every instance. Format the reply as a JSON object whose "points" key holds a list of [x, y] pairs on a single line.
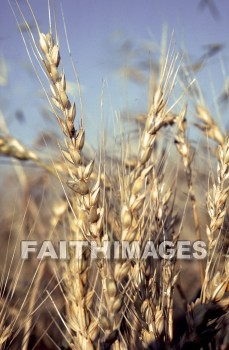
{"points": [[88, 215], [157, 305], [155, 316], [187, 156], [32, 300], [133, 190], [217, 208]]}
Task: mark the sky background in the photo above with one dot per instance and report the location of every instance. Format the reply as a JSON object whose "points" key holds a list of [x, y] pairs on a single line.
{"points": [[105, 36]]}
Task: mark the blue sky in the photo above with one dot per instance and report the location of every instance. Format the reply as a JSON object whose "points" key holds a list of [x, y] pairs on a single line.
{"points": [[106, 35]]}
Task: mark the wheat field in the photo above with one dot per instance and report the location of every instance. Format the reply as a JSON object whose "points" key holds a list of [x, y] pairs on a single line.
{"points": [[150, 180]]}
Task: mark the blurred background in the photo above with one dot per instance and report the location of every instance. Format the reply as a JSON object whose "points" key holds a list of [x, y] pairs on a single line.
{"points": [[115, 45]]}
